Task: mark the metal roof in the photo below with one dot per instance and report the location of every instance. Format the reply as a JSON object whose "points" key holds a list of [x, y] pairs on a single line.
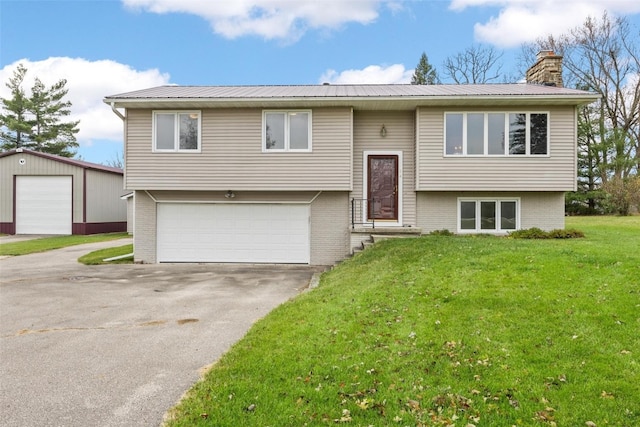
{"points": [[365, 96], [67, 160]]}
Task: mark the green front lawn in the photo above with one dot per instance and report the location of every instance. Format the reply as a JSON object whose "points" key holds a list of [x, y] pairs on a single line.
{"points": [[57, 242], [441, 331]]}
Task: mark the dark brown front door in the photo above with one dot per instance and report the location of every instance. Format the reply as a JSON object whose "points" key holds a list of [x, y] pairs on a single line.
{"points": [[382, 187]]}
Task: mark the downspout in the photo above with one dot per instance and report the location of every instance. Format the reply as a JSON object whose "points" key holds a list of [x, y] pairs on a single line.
{"points": [[118, 113]]}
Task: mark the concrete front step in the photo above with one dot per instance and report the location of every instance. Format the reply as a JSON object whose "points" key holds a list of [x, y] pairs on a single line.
{"points": [[388, 230], [362, 238], [380, 237]]}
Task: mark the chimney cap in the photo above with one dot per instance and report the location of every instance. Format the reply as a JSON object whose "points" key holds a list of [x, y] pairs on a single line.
{"points": [[544, 53]]}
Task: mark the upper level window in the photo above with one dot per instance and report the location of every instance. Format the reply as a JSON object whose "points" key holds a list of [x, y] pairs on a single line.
{"points": [[176, 131], [286, 130], [496, 134]]}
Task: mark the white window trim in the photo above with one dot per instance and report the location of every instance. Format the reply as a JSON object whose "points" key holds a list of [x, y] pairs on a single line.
{"points": [[176, 137], [286, 148], [497, 200], [506, 134]]}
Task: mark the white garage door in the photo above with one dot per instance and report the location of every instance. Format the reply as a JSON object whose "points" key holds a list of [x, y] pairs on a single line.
{"points": [[251, 233], [43, 205]]}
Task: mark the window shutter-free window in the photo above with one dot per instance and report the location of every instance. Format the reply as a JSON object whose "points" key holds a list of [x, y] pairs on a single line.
{"points": [[274, 139], [188, 131], [286, 131], [454, 130], [298, 131], [487, 215], [165, 131], [176, 131], [496, 134], [538, 133]]}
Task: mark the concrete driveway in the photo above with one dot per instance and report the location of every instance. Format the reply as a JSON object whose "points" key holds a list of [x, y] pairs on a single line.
{"points": [[118, 345]]}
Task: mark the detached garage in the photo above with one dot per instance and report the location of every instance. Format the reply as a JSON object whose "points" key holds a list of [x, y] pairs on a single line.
{"points": [[46, 194]]}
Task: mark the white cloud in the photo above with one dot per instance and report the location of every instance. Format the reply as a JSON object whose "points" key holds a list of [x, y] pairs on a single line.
{"points": [[373, 74], [521, 21], [88, 83], [271, 19]]}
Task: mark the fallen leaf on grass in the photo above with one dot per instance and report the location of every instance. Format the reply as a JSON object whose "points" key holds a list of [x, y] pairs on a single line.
{"points": [[606, 395], [346, 417]]}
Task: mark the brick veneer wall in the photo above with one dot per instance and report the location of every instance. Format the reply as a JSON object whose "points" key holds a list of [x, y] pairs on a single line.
{"points": [[144, 233], [330, 228]]}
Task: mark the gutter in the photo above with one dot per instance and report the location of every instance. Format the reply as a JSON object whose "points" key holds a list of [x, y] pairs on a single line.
{"points": [[118, 113]]}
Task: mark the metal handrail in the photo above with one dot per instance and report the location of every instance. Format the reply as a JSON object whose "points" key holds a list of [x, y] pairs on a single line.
{"points": [[357, 211]]}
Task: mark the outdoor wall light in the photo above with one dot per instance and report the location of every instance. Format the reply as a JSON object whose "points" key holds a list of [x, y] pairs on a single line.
{"points": [[230, 194], [383, 131]]}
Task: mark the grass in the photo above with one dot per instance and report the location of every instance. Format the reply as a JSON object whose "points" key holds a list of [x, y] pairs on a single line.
{"points": [[57, 242], [98, 257], [446, 331]]}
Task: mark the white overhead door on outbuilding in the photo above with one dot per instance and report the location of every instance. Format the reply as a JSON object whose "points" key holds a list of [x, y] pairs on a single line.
{"points": [[43, 204], [249, 233]]}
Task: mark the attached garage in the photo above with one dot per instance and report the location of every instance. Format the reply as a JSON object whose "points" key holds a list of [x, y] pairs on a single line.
{"points": [[43, 204], [233, 232], [41, 193]]}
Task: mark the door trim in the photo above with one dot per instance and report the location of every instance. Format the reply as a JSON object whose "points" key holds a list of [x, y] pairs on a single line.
{"points": [[365, 184]]}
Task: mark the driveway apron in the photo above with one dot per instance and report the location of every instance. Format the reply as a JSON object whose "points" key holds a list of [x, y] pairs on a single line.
{"points": [[118, 345]]}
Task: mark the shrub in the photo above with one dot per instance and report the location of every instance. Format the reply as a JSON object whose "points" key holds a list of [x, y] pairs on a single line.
{"points": [[529, 233], [443, 232], [565, 234], [536, 233]]}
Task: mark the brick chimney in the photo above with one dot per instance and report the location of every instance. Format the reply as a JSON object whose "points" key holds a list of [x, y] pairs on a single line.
{"points": [[547, 70]]}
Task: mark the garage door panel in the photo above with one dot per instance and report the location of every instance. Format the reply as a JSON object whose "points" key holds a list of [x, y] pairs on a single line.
{"points": [[43, 204], [256, 233]]}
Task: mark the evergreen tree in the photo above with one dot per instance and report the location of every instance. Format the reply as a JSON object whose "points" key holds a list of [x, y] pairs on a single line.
{"points": [[424, 73], [49, 134], [14, 125], [35, 122]]}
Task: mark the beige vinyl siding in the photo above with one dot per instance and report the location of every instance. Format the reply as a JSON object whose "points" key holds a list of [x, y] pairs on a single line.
{"points": [[231, 155], [555, 172], [438, 210], [35, 165], [400, 126], [103, 197]]}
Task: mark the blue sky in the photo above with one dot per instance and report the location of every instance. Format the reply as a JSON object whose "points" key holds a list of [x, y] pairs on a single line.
{"points": [[105, 47]]}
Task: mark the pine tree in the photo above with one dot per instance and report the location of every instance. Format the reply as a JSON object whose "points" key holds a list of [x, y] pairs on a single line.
{"points": [[35, 122], [424, 73], [49, 134], [13, 122]]}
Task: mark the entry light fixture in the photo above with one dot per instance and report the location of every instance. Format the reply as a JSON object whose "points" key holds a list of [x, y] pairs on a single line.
{"points": [[230, 194], [383, 131]]}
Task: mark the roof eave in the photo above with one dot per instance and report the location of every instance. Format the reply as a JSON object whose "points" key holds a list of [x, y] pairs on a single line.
{"points": [[402, 102]]}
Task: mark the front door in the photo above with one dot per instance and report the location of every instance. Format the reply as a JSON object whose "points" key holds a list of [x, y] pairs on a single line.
{"points": [[382, 187]]}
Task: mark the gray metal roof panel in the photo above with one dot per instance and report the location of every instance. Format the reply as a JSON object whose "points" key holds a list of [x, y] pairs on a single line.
{"points": [[345, 91]]}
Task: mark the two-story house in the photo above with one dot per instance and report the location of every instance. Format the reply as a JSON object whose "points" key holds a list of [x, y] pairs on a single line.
{"points": [[286, 174]]}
